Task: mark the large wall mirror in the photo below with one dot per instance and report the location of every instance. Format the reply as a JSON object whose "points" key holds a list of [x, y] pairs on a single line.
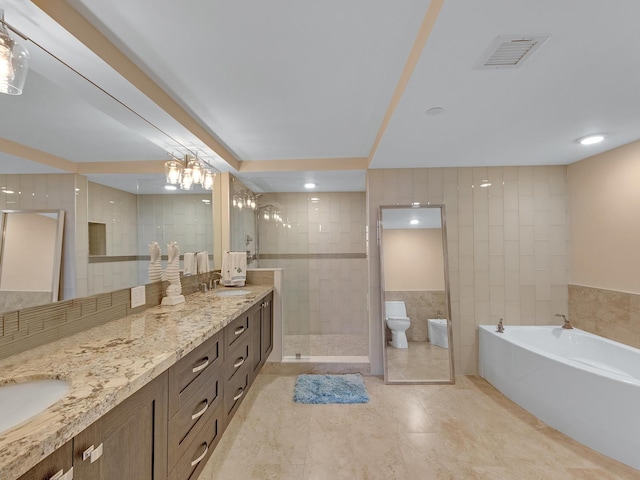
{"points": [[30, 257], [416, 313]]}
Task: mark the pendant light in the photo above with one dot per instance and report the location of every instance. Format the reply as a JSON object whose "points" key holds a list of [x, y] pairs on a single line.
{"points": [[14, 61]]}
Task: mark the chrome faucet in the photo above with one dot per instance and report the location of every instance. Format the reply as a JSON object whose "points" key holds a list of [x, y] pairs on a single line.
{"points": [[565, 321], [500, 327], [214, 280]]}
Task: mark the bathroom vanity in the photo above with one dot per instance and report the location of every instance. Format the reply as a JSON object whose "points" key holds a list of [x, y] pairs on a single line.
{"points": [[150, 396]]}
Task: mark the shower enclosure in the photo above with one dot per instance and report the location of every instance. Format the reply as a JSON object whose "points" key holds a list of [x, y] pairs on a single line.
{"points": [[319, 242]]}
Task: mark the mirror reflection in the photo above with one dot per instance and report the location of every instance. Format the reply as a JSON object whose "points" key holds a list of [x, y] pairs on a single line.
{"points": [[30, 257], [415, 295]]}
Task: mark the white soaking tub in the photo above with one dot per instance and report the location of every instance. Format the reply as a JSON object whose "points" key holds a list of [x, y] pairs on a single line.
{"points": [[585, 386]]}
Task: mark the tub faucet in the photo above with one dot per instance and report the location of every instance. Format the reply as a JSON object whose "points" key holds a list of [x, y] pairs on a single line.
{"points": [[500, 327], [566, 323]]}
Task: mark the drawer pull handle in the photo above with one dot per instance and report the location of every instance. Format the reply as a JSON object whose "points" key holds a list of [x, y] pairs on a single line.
{"points": [[63, 476], [199, 459], [239, 394], [92, 453], [201, 412], [239, 362], [97, 453], [239, 330], [202, 366]]}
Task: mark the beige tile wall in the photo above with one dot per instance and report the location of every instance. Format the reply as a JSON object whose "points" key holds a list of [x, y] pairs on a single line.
{"points": [[610, 314], [508, 246], [118, 210], [323, 255]]}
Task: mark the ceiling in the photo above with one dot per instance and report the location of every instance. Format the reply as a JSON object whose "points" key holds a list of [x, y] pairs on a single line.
{"points": [[281, 93]]}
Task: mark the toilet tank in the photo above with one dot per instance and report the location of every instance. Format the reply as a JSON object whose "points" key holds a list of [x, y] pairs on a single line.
{"points": [[395, 309]]}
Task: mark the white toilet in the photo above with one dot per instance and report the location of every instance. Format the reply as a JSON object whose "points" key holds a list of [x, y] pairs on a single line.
{"points": [[398, 322]]}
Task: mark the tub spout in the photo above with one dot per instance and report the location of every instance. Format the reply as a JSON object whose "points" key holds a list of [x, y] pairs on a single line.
{"points": [[565, 321], [500, 327]]}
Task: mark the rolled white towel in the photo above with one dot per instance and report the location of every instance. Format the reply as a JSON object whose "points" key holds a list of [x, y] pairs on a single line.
{"points": [[202, 260], [190, 263]]}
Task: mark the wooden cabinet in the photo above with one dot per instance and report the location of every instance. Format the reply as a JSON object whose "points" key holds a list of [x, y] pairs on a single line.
{"points": [[128, 442], [57, 466], [196, 416], [169, 428], [262, 335], [266, 327]]}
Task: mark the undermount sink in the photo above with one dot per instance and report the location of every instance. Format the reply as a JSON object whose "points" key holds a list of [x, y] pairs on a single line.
{"points": [[21, 401], [231, 293]]}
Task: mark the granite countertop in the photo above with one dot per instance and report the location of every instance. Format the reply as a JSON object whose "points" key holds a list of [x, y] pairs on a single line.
{"points": [[105, 365]]}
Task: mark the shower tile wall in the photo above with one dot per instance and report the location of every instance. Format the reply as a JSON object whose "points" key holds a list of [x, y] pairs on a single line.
{"points": [[118, 210], [508, 246], [51, 192], [324, 261]]}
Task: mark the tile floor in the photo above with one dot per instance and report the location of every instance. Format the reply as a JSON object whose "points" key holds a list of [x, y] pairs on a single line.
{"points": [[421, 361], [465, 431], [326, 345]]}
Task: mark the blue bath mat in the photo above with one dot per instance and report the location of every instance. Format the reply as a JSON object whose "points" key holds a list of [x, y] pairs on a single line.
{"points": [[348, 388]]}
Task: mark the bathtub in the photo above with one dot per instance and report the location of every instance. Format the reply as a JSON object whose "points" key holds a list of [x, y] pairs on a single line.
{"points": [[585, 386]]}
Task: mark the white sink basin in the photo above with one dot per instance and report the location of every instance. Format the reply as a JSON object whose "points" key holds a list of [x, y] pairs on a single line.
{"points": [[21, 401], [231, 293]]}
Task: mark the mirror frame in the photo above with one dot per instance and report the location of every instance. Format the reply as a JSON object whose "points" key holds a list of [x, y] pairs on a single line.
{"points": [[452, 377], [57, 252]]}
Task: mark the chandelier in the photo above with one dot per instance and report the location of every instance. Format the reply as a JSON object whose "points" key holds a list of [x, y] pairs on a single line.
{"points": [[188, 172]]}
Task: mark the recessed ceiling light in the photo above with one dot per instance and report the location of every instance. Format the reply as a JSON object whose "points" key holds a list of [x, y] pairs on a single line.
{"points": [[414, 222], [434, 111], [591, 139], [485, 183], [8, 191], [309, 185], [415, 204], [170, 187]]}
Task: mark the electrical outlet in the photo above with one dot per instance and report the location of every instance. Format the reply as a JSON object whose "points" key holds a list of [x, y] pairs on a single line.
{"points": [[138, 296]]}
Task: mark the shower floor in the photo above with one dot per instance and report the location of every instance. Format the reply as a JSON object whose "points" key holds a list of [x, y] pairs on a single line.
{"points": [[341, 345]]}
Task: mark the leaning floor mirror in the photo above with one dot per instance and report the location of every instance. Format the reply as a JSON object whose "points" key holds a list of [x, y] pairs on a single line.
{"points": [[416, 311]]}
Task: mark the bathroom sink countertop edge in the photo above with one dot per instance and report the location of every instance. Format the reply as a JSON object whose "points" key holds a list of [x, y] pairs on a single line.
{"points": [[105, 365]]}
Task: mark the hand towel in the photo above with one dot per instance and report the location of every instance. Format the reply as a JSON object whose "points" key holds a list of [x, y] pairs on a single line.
{"points": [[234, 269], [202, 261], [190, 263]]}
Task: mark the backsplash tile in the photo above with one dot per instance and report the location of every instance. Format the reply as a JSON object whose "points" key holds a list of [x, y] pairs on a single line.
{"points": [[28, 328], [607, 313]]}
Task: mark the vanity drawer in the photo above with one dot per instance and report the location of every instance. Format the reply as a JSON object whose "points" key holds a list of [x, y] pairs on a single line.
{"points": [[237, 330], [195, 412], [200, 448], [237, 358], [188, 375], [234, 392]]}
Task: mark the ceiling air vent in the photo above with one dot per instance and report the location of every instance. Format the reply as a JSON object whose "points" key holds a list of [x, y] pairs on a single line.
{"points": [[510, 51]]}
